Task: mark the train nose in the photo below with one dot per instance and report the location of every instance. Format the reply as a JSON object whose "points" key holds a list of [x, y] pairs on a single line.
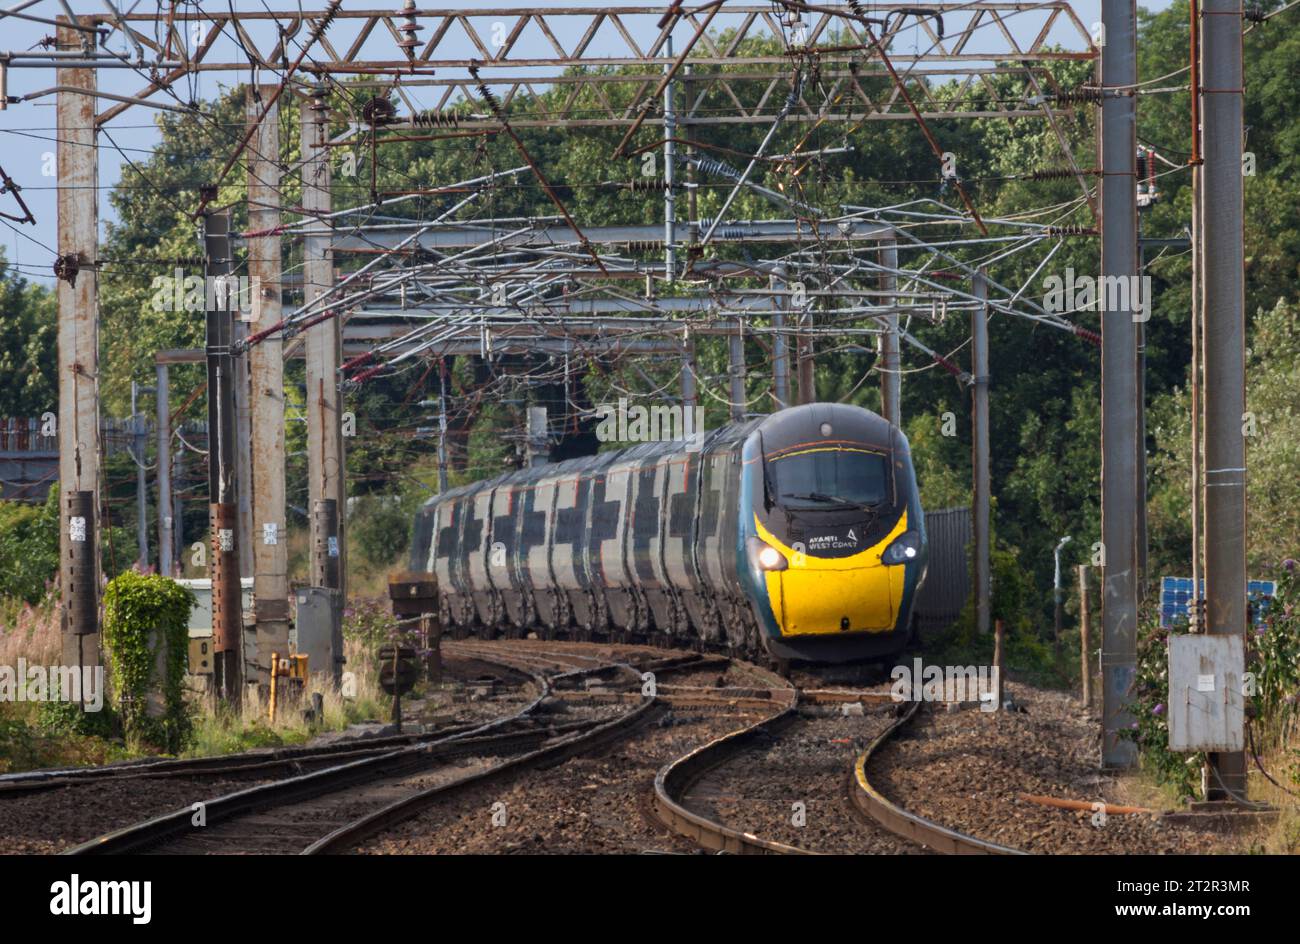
{"points": [[817, 600]]}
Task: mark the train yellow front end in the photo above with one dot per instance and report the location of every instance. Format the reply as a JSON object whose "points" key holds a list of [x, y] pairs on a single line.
{"points": [[833, 543]]}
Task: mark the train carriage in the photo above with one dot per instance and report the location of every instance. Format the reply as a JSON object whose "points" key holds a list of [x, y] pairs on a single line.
{"points": [[800, 534]]}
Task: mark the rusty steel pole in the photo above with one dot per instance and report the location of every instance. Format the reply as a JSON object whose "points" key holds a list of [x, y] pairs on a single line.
{"points": [[1119, 412], [1225, 349], [223, 510], [266, 389], [323, 345], [325, 544], [78, 328]]}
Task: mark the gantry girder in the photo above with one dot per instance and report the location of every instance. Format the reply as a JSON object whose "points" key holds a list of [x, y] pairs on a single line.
{"points": [[603, 65]]}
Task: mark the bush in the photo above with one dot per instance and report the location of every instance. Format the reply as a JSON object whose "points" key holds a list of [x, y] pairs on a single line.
{"points": [[135, 606], [1275, 662], [1272, 659], [29, 548], [381, 527], [1150, 727]]}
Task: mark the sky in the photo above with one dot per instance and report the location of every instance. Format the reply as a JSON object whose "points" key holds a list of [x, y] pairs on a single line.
{"points": [[27, 130]]}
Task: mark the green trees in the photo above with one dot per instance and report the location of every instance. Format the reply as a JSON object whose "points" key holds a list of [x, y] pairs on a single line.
{"points": [[28, 343], [1045, 393]]}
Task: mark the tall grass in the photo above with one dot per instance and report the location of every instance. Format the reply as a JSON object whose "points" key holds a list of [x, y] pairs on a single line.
{"points": [[30, 632], [221, 729]]}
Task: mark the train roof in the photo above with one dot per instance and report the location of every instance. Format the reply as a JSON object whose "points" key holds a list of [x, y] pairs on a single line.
{"points": [[789, 427], [796, 425]]}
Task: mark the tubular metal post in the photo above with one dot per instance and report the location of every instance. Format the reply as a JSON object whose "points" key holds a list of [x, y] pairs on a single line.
{"points": [[690, 397], [138, 450], [1196, 622], [1118, 379], [78, 303], [81, 600], [980, 450], [780, 344], [1198, 311], [890, 379], [999, 660], [178, 510], [1140, 441], [324, 413], [162, 383], [1085, 638], [442, 425], [1225, 349], [736, 370], [806, 379], [325, 543], [223, 511], [670, 172]]}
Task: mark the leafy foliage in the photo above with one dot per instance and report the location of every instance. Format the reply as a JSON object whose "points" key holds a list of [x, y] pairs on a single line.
{"points": [[28, 347], [143, 612], [29, 548], [1150, 728]]}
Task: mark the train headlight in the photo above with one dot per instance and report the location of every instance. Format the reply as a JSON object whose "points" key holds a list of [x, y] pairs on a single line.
{"points": [[766, 556], [906, 547]]}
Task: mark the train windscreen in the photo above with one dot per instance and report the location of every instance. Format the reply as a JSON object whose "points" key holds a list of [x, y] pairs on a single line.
{"points": [[823, 478]]}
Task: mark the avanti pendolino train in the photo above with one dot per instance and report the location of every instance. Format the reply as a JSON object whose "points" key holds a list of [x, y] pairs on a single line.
{"points": [[799, 533]]}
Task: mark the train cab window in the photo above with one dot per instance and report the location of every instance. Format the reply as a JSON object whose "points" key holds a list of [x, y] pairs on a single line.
{"points": [[824, 478]]}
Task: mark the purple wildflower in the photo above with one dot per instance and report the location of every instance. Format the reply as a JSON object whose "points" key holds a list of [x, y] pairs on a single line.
{"points": [[1290, 564], [1158, 710]]}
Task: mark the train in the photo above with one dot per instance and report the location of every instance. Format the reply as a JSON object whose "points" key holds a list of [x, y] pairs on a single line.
{"points": [[795, 536]]}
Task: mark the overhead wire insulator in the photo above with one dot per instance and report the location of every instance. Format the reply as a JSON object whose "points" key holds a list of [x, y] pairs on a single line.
{"points": [[1058, 173], [711, 165], [408, 29], [1087, 335], [646, 185], [379, 110], [1079, 95], [1072, 230], [432, 118], [331, 11]]}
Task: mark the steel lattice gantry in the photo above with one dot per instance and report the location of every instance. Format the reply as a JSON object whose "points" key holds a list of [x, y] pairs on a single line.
{"points": [[609, 62]]}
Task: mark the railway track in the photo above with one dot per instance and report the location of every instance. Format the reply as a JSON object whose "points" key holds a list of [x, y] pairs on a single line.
{"points": [[898, 820], [255, 763], [360, 791], [683, 787], [339, 805]]}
